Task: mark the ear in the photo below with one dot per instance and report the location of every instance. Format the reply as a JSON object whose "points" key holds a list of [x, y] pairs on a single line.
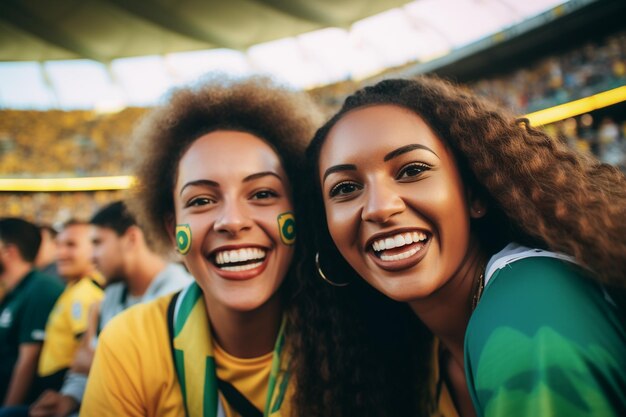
{"points": [[133, 235], [477, 205]]}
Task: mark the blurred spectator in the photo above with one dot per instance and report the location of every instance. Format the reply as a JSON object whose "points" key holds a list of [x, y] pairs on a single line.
{"points": [[580, 72], [30, 296], [608, 140], [134, 274], [66, 143], [47, 256], [68, 320]]}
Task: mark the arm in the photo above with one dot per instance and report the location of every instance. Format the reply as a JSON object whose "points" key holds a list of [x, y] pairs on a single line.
{"points": [[23, 374], [114, 383], [30, 336], [84, 355], [53, 404]]}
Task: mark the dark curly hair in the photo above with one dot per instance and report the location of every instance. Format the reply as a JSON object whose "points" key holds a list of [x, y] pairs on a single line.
{"points": [[539, 193]]}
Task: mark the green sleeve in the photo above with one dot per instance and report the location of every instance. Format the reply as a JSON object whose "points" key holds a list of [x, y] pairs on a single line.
{"points": [[545, 341], [40, 302]]}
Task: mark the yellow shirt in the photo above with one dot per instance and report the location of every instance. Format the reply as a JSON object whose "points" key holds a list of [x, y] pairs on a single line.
{"points": [[133, 372], [66, 323]]}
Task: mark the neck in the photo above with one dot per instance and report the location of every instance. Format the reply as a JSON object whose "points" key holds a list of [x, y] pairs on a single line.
{"points": [[76, 278], [246, 334], [44, 259], [15, 275], [147, 267], [447, 312]]}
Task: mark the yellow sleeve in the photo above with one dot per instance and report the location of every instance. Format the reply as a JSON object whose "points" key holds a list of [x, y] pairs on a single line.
{"points": [[133, 373], [84, 297], [114, 384]]}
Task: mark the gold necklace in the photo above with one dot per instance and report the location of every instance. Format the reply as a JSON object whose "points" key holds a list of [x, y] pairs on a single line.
{"points": [[479, 290]]}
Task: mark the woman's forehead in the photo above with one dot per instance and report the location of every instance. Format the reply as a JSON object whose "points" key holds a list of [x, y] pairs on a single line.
{"points": [[226, 153]]}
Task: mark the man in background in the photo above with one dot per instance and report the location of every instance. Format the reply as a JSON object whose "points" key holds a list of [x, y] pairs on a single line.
{"points": [[134, 274], [68, 319], [29, 298]]}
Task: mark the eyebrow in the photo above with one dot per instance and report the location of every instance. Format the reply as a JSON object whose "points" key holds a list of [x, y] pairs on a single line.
{"points": [[206, 183], [210, 183], [338, 168], [405, 149], [261, 175]]}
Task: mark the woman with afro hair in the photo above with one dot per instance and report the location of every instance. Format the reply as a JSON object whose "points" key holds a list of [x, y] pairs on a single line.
{"points": [[217, 167]]}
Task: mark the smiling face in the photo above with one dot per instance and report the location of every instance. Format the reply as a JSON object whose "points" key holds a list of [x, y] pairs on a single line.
{"points": [[395, 203], [75, 252], [231, 189]]}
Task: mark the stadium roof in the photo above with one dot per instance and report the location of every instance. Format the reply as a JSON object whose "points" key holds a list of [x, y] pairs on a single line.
{"points": [[114, 53]]}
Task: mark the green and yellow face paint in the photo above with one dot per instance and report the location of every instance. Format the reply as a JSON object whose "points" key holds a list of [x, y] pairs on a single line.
{"points": [[287, 228], [183, 238]]}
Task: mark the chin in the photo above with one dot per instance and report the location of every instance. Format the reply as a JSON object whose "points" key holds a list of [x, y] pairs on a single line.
{"points": [[246, 304], [401, 293]]}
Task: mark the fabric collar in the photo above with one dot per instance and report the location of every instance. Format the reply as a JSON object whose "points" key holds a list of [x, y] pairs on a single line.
{"points": [[195, 363]]}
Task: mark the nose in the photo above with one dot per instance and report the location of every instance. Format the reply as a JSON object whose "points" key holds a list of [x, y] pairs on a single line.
{"points": [[382, 203], [232, 219]]}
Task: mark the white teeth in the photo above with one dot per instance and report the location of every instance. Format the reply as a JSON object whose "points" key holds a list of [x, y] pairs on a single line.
{"points": [[399, 256], [398, 241], [238, 255], [238, 268]]}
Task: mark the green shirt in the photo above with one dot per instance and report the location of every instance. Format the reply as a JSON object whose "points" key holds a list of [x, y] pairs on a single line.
{"points": [[545, 341], [23, 315]]}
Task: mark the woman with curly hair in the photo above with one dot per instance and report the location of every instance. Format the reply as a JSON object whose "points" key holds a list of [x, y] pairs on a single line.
{"points": [[217, 170], [507, 245]]}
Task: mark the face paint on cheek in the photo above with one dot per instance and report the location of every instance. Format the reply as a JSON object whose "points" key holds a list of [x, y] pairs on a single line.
{"points": [[287, 228], [183, 238]]}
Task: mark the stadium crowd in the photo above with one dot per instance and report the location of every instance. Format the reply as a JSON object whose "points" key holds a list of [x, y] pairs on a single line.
{"points": [[71, 261]]}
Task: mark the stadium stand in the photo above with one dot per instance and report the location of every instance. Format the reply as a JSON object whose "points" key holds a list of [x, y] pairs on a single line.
{"points": [[85, 143]]}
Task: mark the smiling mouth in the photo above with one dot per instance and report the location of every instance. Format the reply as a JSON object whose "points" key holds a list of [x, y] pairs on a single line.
{"points": [[399, 246], [239, 260]]}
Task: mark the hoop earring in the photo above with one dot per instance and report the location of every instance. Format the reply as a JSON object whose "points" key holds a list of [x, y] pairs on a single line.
{"points": [[323, 276]]}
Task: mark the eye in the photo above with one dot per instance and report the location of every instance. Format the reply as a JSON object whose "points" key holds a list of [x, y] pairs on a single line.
{"points": [[199, 201], [412, 170], [264, 195], [344, 188]]}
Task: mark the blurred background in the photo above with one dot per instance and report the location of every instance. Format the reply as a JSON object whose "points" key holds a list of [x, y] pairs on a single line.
{"points": [[76, 76]]}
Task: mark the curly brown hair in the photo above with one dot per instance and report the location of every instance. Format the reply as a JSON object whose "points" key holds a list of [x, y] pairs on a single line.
{"points": [[539, 193], [284, 118]]}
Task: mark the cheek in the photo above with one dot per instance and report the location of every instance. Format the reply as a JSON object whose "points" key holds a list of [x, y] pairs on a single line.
{"points": [[343, 226], [445, 205], [286, 228], [188, 232], [285, 256]]}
